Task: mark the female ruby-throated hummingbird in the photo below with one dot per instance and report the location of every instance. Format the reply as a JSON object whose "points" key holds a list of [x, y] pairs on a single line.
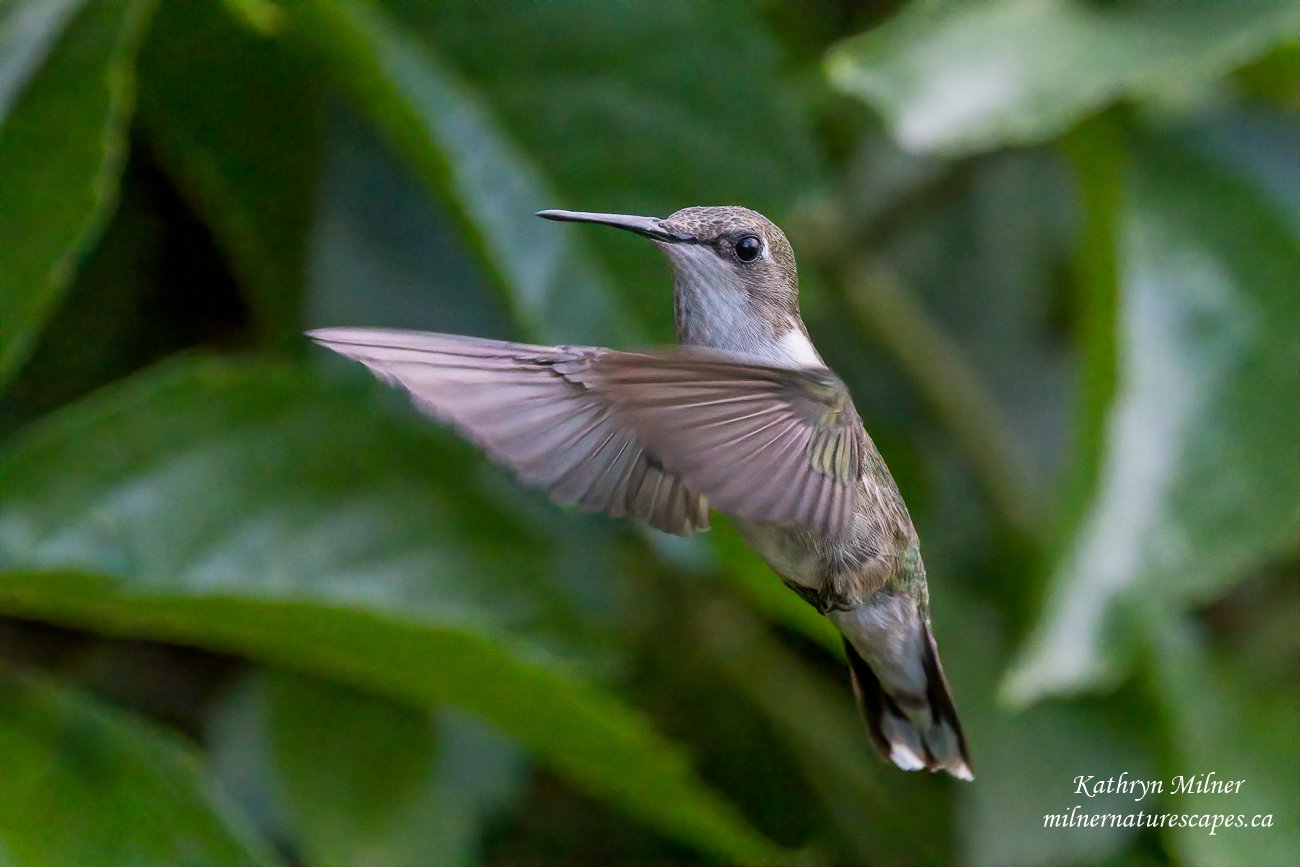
{"points": [[743, 417]]}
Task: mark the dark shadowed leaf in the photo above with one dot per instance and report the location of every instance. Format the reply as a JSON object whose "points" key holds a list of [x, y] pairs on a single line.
{"points": [[636, 108], [87, 785], [1197, 481], [448, 134], [234, 118], [349, 777], [709, 121], [62, 146], [383, 253], [253, 510], [966, 77], [821, 726]]}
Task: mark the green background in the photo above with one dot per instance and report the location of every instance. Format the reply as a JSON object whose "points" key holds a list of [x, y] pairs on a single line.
{"points": [[254, 608]]}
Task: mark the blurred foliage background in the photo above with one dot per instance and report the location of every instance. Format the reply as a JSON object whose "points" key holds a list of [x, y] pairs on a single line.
{"points": [[253, 608]]}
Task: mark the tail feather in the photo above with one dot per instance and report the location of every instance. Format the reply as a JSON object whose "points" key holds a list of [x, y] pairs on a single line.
{"points": [[941, 704], [913, 722]]}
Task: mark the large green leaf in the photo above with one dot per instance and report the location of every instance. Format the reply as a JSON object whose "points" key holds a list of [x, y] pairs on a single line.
{"points": [[234, 118], [384, 253], [585, 734], [87, 785], [253, 510], [350, 778], [1197, 481], [711, 120], [412, 789], [971, 76], [262, 480], [62, 145], [487, 106], [457, 149]]}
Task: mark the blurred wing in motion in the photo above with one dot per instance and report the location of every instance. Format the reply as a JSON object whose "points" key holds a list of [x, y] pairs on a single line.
{"points": [[767, 444], [530, 408]]}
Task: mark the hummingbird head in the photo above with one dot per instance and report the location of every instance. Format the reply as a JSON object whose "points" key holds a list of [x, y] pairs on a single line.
{"points": [[734, 278]]}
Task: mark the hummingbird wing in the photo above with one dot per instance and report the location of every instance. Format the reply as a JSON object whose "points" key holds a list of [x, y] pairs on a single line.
{"points": [[531, 409], [780, 445]]}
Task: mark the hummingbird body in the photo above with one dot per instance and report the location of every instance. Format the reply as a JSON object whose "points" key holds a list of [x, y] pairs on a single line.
{"points": [[745, 418]]}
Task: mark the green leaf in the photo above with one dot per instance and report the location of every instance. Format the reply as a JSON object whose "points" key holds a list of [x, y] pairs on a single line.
{"points": [[383, 253], [250, 509], [960, 78], [586, 735], [453, 142], [821, 727], [235, 120], [1275, 77], [689, 128], [350, 778], [62, 146], [457, 94], [1097, 152], [263, 480], [344, 762], [1219, 726], [1026, 761], [1197, 479], [87, 785], [712, 119], [1028, 766], [29, 30]]}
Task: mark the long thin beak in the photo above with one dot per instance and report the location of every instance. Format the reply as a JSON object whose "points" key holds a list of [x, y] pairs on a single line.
{"points": [[650, 227]]}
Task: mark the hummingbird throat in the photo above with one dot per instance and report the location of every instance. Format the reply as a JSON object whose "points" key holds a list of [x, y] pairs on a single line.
{"points": [[715, 307]]}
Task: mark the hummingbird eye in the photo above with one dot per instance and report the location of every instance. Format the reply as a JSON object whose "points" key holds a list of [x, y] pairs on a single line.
{"points": [[748, 248]]}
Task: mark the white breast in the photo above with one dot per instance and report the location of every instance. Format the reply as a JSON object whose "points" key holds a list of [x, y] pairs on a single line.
{"points": [[798, 350]]}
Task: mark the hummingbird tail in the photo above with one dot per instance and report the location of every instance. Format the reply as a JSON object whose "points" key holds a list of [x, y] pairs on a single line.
{"points": [[910, 713]]}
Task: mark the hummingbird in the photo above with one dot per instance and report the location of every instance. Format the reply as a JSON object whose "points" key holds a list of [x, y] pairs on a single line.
{"points": [[743, 417]]}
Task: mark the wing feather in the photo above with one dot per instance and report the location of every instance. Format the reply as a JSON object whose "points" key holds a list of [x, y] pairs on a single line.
{"points": [[767, 444], [529, 408], [646, 436]]}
